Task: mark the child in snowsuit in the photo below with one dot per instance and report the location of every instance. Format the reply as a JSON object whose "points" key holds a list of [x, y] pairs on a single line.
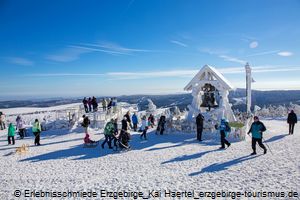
{"points": [[11, 134], [257, 128], [87, 139]]}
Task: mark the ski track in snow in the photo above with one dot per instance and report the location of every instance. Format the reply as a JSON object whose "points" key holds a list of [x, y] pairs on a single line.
{"points": [[173, 161]]}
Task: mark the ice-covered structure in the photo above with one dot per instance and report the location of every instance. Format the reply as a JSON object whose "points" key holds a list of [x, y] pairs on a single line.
{"points": [[210, 91], [151, 106]]}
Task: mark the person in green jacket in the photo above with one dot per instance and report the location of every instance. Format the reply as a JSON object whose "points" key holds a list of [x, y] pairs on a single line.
{"points": [[11, 134], [108, 133], [257, 128], [36, 130]]}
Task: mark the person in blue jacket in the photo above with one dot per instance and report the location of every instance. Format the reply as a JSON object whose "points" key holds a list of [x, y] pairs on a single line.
{"points": [[134, 121], [224, 131], [257, 128]]}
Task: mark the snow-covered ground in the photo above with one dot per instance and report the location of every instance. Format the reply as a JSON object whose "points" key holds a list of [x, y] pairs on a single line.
{"points": [[14, 111], [175, 161]]}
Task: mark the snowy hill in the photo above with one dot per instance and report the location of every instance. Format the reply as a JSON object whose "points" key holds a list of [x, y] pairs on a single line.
{"points": [[174, 161]]}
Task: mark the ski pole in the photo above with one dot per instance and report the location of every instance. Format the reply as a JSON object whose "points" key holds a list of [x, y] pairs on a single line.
{"points": [[267, 145]]}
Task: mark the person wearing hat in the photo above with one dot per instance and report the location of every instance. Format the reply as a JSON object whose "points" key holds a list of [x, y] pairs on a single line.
{"points": [[224, 131], [257, 128], [292, 120]]}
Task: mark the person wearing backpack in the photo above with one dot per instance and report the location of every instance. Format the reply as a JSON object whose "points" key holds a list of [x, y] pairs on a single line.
{"points": [[36, 130], [225, 129], [257, 128], [108, 133], [11, 134], [86, 122]]}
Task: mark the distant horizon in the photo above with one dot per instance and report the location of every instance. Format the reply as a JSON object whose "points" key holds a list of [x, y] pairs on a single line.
{"points": [[45, 98]]}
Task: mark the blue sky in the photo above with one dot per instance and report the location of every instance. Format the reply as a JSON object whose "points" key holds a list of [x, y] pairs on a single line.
{"points": [[75, 48]]}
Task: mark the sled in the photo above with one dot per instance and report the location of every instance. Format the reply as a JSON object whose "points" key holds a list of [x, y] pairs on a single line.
{"points": [[90, 145], [125, 148]]}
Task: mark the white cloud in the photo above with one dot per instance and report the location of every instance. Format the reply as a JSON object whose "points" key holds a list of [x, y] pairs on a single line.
{"points": [[178, 43], [232, 59], [214, 51], [220, 54], [155, 74], [65, 74], [285, 53], [92, 49], [20, 61], [253, 44], [173, 73], [73, 52], [68, 54], [113, 47], [263, 53]]}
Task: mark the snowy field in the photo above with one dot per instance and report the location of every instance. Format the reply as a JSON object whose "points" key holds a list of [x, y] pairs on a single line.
{"points": [[175, 162]]}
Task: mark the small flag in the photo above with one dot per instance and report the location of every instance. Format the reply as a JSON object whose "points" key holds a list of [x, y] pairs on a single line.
{"points": [[253, 81]]}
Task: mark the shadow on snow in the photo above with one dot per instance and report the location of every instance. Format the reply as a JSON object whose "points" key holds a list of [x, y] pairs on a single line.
{"points": [[216, 167], [276, 137]]}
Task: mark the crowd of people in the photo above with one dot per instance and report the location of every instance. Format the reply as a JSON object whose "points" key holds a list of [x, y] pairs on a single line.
{"points": [[91, 104], [256, 130], [20, 127], [119, 137]]}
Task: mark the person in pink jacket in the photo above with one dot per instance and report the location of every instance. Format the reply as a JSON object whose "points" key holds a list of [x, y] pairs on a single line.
{"points": [[87, 139]]}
